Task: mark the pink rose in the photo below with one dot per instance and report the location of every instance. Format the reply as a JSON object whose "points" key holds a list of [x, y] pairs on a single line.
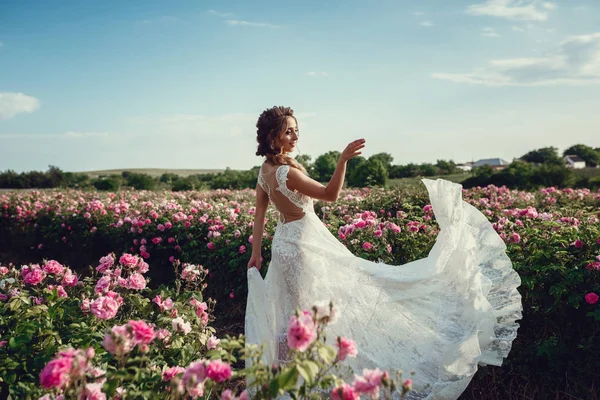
{"points": [[93, 391], [210, 245], [301, 331], [69, 278], [193, 378], [369, 383], [227, 395], [218, 370], [346, 348], [136, 281], [367, 246], [53, 267], [103, 285], [128, 260], [213, 342], [34, 276], [119, 341], [169, 373], [142, 332], [105, 307], [591, 298], [56, 373], [344, 392]]}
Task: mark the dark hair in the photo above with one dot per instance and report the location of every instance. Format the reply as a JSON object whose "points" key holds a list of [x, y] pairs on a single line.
{"points": [[271, 124]]}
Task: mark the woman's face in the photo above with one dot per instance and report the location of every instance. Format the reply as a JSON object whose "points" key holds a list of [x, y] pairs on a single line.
{"points": [[289, 138]]}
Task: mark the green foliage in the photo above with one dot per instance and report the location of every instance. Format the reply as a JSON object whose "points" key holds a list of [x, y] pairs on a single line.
{"points": [[370, 173], [324, 166], [139, 181], [111, 183], [545, 155]]}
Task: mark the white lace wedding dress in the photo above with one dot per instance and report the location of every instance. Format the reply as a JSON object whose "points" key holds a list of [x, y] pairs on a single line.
{"points": [[439, 316]]}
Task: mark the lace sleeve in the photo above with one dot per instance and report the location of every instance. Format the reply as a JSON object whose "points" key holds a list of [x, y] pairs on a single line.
{"points": [[263, 183]]}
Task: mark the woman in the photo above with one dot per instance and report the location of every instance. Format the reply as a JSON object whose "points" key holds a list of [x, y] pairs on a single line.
{"points": [[438, 316]]}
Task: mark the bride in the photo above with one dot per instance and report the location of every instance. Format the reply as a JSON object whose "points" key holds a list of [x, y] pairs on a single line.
{"points": [[438, 316]]}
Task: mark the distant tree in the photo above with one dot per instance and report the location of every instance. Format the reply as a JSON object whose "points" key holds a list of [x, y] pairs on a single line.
{"points": [[545, 155], [353, 164], [306, 162], [385, 158], [404, 171], [591, 156], [372, 172], [325, 164], [110, 183], [140, 181], [446, 167], [168, 177], [427, 169]]}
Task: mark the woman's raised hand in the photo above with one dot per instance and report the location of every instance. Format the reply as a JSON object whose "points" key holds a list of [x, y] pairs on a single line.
{"points": [[352, 150]]}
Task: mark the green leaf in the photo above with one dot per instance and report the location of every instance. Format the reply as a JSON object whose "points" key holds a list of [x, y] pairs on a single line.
{"points": [[327, 354], [309, 370], [287, 379]]}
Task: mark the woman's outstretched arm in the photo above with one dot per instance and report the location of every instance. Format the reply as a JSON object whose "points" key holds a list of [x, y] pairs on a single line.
{"points": [[262, 202], [309, 187]]}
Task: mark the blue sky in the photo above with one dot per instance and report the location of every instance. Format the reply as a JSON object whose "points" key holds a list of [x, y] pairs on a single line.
{"points": [[88, 85]]}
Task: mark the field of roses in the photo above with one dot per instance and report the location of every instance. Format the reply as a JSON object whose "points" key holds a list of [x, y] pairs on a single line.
{"points": [[138, 293]]}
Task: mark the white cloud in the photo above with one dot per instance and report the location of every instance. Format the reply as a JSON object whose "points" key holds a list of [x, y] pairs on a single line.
{"points": [[549, 6], [574, 61], [12, 104], [237, 22], [489, 32], [527, 10], [517, 28], [427, 24], [314, 73], [418, 13], [221, 14]]}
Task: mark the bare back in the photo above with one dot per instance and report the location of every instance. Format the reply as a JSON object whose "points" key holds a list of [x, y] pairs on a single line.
{"points": [[291, 204]]}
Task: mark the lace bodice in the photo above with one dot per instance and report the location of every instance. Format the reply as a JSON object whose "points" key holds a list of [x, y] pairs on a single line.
{"points": [[291, 204]]}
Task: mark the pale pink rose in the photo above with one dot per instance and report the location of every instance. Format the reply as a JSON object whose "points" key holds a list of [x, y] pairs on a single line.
{"points": [[109, 260], [167, 304], [171, 372], [128, 260], [59, 290], [105, 307], [142, 332], [515, 237], [180, 325], [34, 276], [163, 334], [591, 298], [3, 270], [367, 246], [136, 281], [193, 378], [93, 391], [218, 370], [53, 267], [56, 373], [143, 267], [344, 392], [369, 383], [346, 348], [244, 395], [301, 331], [69, 278], [213, 342], [86, 305], [242, 249], [227, 395], [119, 341]]}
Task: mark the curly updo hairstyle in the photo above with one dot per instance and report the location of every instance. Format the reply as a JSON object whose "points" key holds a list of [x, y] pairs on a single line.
{"points": [[271, 125]]}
